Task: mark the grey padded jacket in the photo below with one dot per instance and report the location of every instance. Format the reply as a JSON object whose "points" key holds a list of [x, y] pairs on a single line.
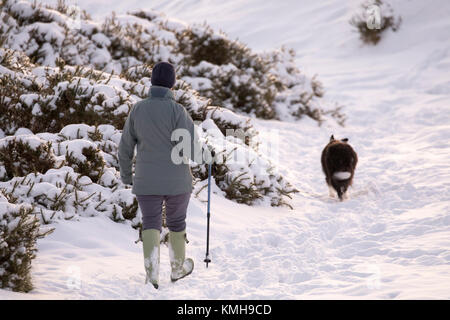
{"points": [[149, 126]]}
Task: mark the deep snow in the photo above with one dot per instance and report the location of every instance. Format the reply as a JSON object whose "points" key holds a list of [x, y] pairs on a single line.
{"points": [[389, 240]]}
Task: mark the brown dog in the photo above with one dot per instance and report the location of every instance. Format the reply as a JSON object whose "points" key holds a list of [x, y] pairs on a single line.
{"points": [[338, 163]]}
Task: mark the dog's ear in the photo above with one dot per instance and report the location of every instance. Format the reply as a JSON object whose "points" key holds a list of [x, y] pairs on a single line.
{"points": [[345, 140], [332, 138]]}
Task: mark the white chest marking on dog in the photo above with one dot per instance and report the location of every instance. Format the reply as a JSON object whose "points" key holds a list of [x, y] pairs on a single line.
{"points": [[341, 175]]}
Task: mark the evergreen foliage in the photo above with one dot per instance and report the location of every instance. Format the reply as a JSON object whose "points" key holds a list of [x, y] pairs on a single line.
{"points": [[388, 21]]}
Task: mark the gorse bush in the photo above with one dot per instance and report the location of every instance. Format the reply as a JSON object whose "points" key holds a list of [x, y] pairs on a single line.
{"points": [[19, 231], [203, 44], [18, 157], [68, 90], [201, 109], [238, 79], [387, 21], [225, 71], [96, 146], [235, 89], [92, 164], [68, 95], [64, 194]]}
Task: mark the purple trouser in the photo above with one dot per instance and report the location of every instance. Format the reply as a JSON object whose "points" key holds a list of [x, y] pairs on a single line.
{"points": [[176, 207]]}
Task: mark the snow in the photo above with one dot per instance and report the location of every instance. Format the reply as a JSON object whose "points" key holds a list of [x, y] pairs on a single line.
{"points": [[22, 131], [24, 136], [389, 240], [75, 148], [29, 99], [76, 131], [101, 39], [198, 83]]}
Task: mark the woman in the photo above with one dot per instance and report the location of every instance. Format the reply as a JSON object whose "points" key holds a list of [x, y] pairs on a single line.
{"points": [[159, 175]]}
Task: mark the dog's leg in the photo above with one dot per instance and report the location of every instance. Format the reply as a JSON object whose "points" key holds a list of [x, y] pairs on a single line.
{"points": [[331, 191]]}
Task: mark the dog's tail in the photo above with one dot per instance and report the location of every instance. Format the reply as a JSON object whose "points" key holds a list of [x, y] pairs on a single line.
{"points": [[342, 175]]}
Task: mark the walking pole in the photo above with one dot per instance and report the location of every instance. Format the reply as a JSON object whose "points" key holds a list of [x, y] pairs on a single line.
{"points": [[208, 214]]}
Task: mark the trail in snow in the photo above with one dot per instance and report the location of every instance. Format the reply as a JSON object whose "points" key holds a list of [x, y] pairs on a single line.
{"points": [[389, 240]]}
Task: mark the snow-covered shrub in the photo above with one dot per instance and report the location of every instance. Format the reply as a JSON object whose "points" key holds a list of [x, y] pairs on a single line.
{"points": [[232, 76], [19, 230], [66, 101], [298, 96], [240, 171], [103, 138], [59, 97], [225, 71], [126, 211], [64, 92], [23, 154], [366, 16], [131, 44], [81, 154], [64, 194], [201, 109], [46, 99], [91, 149], [89, 163]]}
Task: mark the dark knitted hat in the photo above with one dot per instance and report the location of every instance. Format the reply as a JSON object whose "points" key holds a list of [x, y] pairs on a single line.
{"points": [[163, 74]]}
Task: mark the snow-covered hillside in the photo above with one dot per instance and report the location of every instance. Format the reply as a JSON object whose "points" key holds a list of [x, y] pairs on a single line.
{"points": [[391, 239]]}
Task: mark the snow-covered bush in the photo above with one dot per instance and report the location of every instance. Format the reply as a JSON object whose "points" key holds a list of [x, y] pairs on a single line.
{"points": [[89, 162], [240, 171], [64, 194], [23, 154], [91, 148], [76, 111], [201, 109], [19, 230], [225, 71], [46, 99], [104, 139], [368, 15], [298, 96]]}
